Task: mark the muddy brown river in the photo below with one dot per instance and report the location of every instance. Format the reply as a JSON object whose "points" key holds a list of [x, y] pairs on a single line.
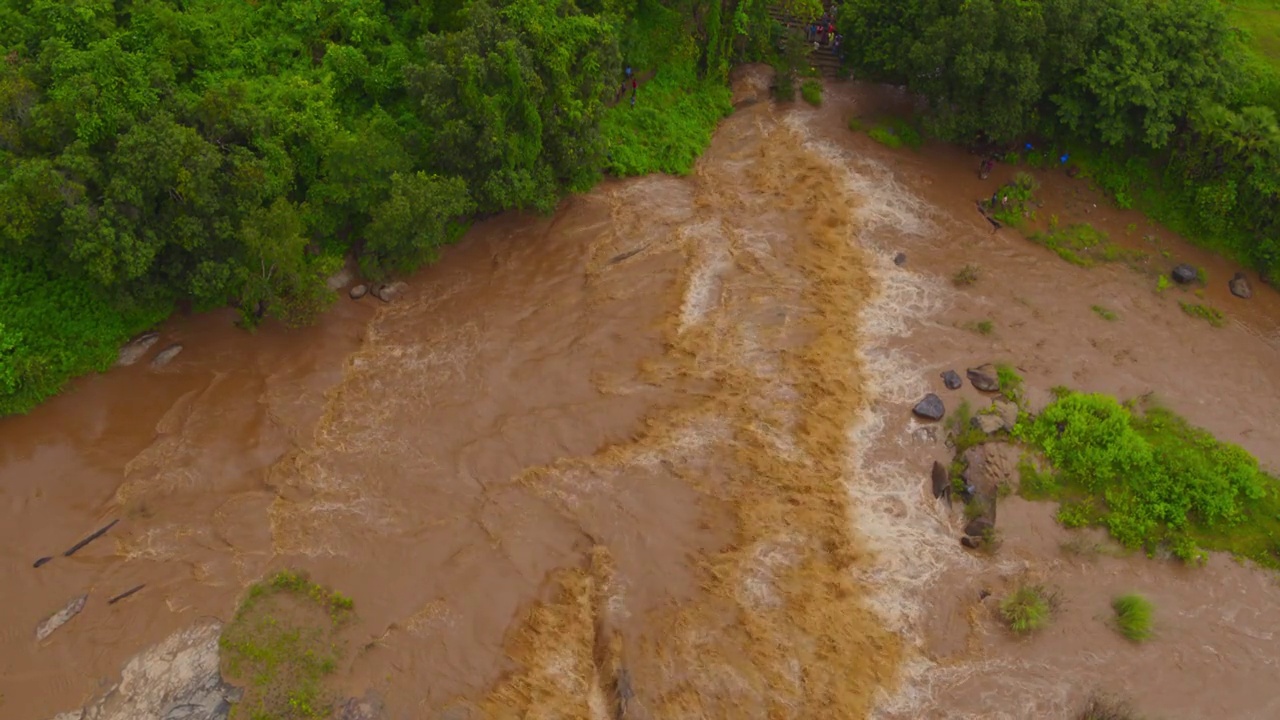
{"points": [[657, 445]]}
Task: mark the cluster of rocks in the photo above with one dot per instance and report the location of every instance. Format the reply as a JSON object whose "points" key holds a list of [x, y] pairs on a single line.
{"points": [[386, 292], [135, 349], [1185, 274], [983, 468]]}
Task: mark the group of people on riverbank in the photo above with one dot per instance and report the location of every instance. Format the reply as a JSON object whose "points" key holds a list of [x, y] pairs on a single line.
{"points": [[823, 30], [631, 81]]}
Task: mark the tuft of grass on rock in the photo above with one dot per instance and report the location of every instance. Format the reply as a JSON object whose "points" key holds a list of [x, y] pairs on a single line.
{"points": [[281, 644], [1104, 313], [966, 276], [1134, 615], [1027, 609]]}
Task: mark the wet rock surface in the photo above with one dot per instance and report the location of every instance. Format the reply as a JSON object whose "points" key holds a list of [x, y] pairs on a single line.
{"points": [[60, 618], [387, 293], [951, 379], [136, 348], [941, 479], [358, 292], [176, 679], [930, 408], [166, 356], [1240, 287], [900, 259], [1184, 274], [984, 377], [340, 279]]}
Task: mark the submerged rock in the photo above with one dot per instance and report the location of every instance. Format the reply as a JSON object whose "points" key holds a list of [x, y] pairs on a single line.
{"points": [[133, 351], [900, 259], [941, 480], [930, 407], [165, 356], [176, 679], [984, 377], [368, 707], [1184, 274], [60, 618], [979, 527], [358, 292], [1240, 286], [987, 423], [952, 380], [387, 293]]}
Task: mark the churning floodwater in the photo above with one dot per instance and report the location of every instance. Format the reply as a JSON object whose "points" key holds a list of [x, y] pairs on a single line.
{"points": [[645, 458]]}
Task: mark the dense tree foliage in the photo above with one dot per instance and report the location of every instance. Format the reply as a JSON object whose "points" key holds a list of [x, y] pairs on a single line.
{"points": [[155, 151], [1160, 92]]}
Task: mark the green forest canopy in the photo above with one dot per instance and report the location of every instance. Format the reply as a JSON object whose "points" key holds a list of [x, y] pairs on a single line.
{"points": [[237, 151]]}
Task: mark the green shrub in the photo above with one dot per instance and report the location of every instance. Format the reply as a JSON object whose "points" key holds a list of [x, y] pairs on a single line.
{"points": [[1162, 283], [1151, 479], [1084, 245], [897, 133], [1133, 616], [1027, 609], [811, 91], [1011, 202]]}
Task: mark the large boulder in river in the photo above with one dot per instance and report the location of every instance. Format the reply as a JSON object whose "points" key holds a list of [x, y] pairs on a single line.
{"points": [[136, 348], [952, 380], [900, 259], [930, 408], [984, 377], [176, 679], [387, 293], [358, 292], [1240, 286], [1184, 274], [941, 478]]}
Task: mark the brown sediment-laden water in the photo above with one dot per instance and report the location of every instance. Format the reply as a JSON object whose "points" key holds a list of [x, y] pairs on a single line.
{"points": [[650, 458]]}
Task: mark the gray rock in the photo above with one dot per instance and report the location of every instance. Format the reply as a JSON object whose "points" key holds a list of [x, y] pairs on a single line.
{"points": [[176, 679], [359, 291], [165, 356], [368, 707], [987, 423], [1240, 286], [136, 348], [941, 480], [930, 407], [60, 618], [979, 527], [952, 380], [1007, 412], [1184, 274], [340, 279], [387, 293], [970, 543], [984, 378], [900, 259]]}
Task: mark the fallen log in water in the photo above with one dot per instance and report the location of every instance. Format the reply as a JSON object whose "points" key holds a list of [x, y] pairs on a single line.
{"points": [[91, 538], [125, 594]]}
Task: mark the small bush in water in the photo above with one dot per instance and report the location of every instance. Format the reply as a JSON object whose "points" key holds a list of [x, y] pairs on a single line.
{"points": [[811, 91], [1133, 616]]}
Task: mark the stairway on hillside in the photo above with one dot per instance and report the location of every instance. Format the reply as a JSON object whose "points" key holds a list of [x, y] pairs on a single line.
{"points": [[823, 58]]}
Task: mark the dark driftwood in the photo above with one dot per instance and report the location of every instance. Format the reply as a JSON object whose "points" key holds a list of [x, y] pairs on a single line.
{"points": [[125, 594], [41, 561], [90, 539]]}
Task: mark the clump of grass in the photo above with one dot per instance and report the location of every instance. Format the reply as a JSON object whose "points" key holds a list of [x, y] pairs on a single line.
{"points": [[1104, 313], [896, 133], [982, 327], [1211, 314], [282, 642], [1010, 204], [1084, 245], [966, 275], [1033, 483], [1154, 481], [963, 436], [1202, 276], [1010, 382], [1027, 609], [1163, 283], [1106, 708], [1133, 616], [811, 91]]}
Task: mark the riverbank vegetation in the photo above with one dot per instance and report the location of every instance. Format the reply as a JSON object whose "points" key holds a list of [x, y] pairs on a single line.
{"points": [[1150, 478], [1134, 616], [156, 154], [1162, 104], [281, 644], [1027, 609]]}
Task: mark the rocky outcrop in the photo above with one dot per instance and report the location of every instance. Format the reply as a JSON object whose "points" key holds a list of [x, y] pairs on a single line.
{"points": [[358, 292], [165, 356], [1240, 286], [952, 380], [136, 348], [984, 378], [987, 422], [176, 679], [930, 408], [368, 707], [1007, 412], [1184, 274], [60, 618]]}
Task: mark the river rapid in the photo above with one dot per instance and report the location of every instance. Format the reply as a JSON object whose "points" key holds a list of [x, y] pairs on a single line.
{"points": [[656, 447]]}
